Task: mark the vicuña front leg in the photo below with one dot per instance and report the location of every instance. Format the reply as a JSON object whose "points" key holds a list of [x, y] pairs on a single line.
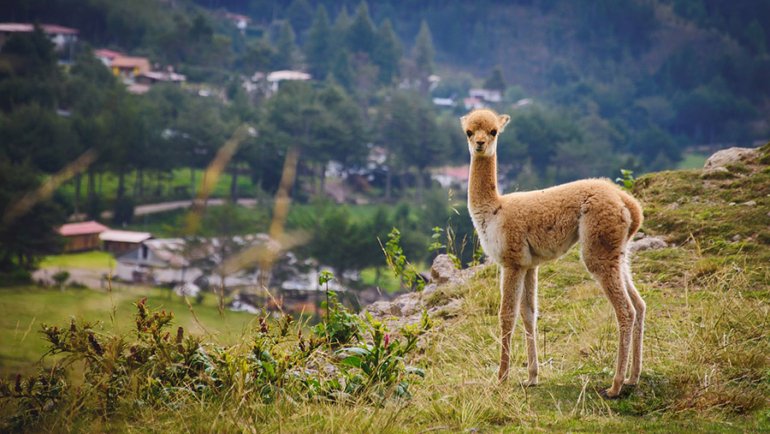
{"points": [[511, 289], [529, 316]]}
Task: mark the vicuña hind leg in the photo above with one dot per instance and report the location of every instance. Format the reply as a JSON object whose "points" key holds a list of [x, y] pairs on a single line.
{"points": [[608, 273], [638, 335], [511, 289], [529, 316]]}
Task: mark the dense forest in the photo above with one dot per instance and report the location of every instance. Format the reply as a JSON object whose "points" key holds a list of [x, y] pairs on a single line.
{"points": [[613, 84]]}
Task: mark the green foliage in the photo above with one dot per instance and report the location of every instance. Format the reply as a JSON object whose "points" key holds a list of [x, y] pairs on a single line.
{"points": [[341, 327], [60, 278], [626, 180], [401, 267], [151, 367]]}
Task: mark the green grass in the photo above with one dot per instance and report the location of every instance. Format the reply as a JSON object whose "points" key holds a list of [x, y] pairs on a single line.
{"points": [[694, 160], [706, 358], [155, 191], [24, 309], [95, 260], [387, 282]]}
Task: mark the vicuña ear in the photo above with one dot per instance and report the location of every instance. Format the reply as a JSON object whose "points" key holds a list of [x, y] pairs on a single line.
{"points": [[503, 120], [462, 120]]}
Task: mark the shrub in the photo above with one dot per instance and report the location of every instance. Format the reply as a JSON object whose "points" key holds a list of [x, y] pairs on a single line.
{"points": [[344, 359]]}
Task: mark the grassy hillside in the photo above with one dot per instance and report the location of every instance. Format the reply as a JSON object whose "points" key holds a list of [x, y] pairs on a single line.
{"points": [[707, 348]]}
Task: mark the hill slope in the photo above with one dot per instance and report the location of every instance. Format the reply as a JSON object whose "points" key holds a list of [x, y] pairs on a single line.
{"points": [[707, 349]]}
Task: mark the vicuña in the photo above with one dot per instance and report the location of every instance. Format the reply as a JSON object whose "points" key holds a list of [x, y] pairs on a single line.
{"points": [[522, 230]]}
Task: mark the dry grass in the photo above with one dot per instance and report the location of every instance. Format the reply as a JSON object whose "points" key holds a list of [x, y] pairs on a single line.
{"points": [[707, 348]]}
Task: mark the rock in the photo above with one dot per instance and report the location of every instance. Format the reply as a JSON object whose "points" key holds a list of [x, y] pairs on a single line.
{"points": [[729, 156], [443, 269], [736, 238], [750, 203], [408, 304], [429, 289], [380, 309], [448, 310], [647, 243]]}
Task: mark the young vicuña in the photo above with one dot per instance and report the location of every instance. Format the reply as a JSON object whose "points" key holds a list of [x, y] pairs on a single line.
{"points": [[521, 230]]}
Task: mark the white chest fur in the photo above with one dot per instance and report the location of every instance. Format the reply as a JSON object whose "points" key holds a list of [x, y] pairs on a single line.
{"points": [[488, 227]]}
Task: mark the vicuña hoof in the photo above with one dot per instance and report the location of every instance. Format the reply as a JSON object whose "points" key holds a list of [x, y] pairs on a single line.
{"points": [[605, 393]]}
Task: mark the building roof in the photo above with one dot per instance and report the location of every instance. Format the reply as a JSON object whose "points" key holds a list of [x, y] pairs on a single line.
{"points": [[108, 54], [131, 62], [27, 27], [163, 76], [124, 236], [82, 228], [288, 75]]}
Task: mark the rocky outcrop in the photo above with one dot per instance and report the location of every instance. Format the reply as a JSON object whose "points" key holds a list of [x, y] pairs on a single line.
{"points": [[729, 156], [645, 242], [407, 308]]}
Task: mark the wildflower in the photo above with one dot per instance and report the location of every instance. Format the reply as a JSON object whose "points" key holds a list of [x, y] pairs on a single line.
{"points": [[387, 340]]}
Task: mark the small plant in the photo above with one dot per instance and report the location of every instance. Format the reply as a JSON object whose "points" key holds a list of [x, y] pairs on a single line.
{"points": [[61, 278], [436, 244], [379, 364], [402, 268], [341, 326], [324, 277], [627, 179]]}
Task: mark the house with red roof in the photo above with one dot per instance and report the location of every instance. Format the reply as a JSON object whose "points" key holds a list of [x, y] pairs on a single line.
{"points": [[82, 236]]}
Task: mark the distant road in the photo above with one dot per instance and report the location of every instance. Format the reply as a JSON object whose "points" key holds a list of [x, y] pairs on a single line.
{"points": [[154, 208]]}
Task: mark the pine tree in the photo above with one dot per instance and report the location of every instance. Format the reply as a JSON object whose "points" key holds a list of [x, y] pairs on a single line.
{"points": [[300, 15], [387, 53], [319, 49], [362, 35], [342, 71], [495, 81], [424, 51], [286, 55]]}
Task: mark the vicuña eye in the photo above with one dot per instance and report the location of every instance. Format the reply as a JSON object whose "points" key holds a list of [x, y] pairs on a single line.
{"points": [[469, 133], [493, 132]]}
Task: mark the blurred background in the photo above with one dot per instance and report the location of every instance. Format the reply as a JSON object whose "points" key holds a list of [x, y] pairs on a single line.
{"points": [[143, 143]]}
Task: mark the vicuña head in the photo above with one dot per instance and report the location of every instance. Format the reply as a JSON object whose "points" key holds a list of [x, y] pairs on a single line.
{"points": [[482, 127]]}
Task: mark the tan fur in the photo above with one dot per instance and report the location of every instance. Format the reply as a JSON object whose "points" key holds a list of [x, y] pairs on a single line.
{"points": [[521, 230]]}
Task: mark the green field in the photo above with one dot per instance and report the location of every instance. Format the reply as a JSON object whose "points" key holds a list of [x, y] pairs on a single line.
{"points": [[95, 260], [172, 185], [692, 161], [24, 309]]}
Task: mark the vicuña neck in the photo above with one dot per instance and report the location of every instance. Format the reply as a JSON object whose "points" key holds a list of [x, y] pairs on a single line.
{"points": [[482, 182]]}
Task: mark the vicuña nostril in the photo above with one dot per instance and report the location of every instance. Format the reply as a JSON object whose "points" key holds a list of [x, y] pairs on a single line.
{"points": [[480, 142]]}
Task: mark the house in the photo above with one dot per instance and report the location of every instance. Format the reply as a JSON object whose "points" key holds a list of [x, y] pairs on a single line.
{"points": [[276, 77], [241, 21], [152, 77], [63, 38], [128, 67], [107, 56], [118, 242], [82, 236], [472, 103], [451, 176], [488, 95], [156, 261], [444, 102]]}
